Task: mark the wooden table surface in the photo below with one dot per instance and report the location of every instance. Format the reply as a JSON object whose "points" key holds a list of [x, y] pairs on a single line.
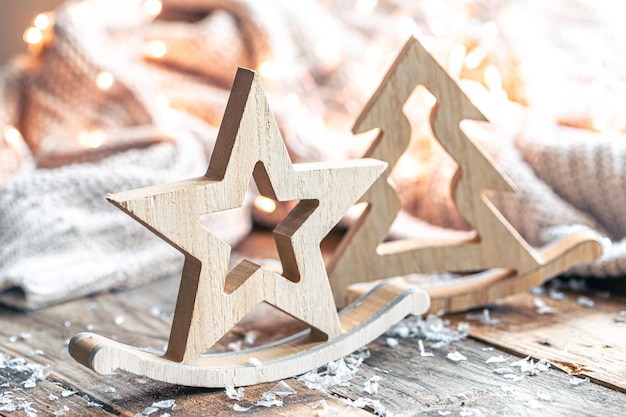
{"points": [[575, 338]]}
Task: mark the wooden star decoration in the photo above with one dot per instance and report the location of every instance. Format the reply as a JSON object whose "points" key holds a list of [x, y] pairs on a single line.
{"points": [[212, 300], [511, 264]]}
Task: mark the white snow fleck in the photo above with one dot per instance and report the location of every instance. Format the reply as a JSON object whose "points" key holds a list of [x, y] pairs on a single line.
{"points": [[66, 393], [164, 404], [62, 411], [337, 373], [250, 337], [444, 413], [423, 353], [282, 389], [268, 399], [371, 385], [557, 295], [577, 381], [235, 346], [456, 356], [497, 359], [119, 320], [52, 397], [542, 307], [238, 407], [254, 361], [392, 342], [234, 394], [585, 302]]}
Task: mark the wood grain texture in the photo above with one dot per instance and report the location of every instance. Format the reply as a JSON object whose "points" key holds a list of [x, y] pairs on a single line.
{"points": [[212, 299], [582, 341], [413, 386], [364, 256], [410, 384]]}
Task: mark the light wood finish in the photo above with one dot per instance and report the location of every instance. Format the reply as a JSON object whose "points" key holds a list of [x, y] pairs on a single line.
{"points": [[582, 341], [362, 255], [212, 299]]}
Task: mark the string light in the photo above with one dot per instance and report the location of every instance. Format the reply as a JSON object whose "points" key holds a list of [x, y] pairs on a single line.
{"points": [[92, 138], [265, 204], [33, 36], [12, 135], [408, 167], [268, 69], [42, 21], [406, 26], [152, 8], [104, 80], [155, 49], [365, 6]]}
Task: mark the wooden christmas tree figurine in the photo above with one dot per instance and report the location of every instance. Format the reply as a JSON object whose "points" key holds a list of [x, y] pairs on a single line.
{"points": [[211, 299], [362, 255]]}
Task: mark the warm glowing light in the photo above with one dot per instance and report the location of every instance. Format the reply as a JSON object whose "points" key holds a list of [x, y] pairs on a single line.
{"points": [[42, 21], [600, 123], [162, 102], [493, 78], [439, 27], [365, 6], [429, 99], [472, 60], [152, 8], [92, 138], [329, 51], [268, 69], [456, 59], [406, 26], [265, 204], [489, 30], [33, 36], [291, 101], [408, 167], [11, 135], [155, 49], [104, 80]]}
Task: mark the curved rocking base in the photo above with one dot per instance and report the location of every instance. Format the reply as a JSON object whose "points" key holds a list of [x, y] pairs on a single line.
{"points": [[486, 287], [369, 317]]}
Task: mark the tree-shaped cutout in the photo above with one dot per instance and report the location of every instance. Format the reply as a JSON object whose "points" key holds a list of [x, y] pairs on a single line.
{"points": [[362, 255], [212, 300]]}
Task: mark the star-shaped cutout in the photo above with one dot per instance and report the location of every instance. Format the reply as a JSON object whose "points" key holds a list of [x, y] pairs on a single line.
{"points": [[211, 299]]}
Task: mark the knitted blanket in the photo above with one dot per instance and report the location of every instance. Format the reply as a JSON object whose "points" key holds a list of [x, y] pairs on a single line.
{"points": [[112, 100]]}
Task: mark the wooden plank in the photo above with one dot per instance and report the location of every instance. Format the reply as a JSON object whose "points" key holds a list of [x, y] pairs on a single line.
{"points": [[146, 322], [411, 385], [589, 342]]}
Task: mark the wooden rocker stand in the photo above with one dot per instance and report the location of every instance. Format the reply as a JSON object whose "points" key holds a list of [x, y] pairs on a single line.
{"points": [[211, 300], [507, 263]]}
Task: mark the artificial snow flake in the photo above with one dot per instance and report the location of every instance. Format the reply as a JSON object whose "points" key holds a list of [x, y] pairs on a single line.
{"points": [[235, 346], [371, 385], [52, 397], [456, 356], [431, 328], [119, 320], [363, 402], [254, 361], [282, 389], [423, 352], [527, 365], [484, 317], [542, 307], [392, 342], [67, 393], [238, 407], [585, 302], [497, 359], [234, 394], [445, 413], [577, 381], [164, 404], [268, 399], [250, 337], [336, 373], [557, 295], [62, 411]]}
